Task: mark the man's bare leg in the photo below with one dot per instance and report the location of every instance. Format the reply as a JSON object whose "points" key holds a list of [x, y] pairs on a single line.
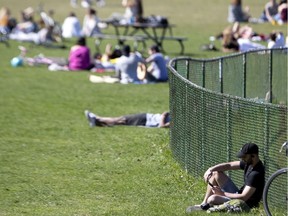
{"points": [[217, 179], [111, 121], [95, 120]]}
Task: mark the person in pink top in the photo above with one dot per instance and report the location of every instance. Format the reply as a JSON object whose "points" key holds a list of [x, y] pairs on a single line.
{"points": [[79, 57]]}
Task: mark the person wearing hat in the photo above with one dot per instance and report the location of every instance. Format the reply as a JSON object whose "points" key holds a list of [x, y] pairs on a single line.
{"points": [[221, 188]]}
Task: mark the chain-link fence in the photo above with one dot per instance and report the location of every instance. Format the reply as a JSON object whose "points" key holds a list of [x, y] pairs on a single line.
{"points": [[217, 105]]}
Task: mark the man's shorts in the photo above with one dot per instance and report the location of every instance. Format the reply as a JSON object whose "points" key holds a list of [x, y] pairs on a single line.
{"points": [[135, 119], [230, 187]]}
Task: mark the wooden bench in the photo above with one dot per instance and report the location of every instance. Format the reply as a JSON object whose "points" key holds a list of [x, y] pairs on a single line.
{"points": [[121, 40]]}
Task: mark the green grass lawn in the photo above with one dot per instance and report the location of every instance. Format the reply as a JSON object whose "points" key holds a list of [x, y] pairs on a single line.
{"points": [[52, 163]]}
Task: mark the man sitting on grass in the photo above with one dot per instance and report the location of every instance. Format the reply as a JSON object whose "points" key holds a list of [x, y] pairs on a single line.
{"points": [[220, 187], [141, 119]]}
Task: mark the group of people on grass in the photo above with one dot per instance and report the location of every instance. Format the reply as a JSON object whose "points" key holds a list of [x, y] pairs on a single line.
{"points": [[28, 29], [239, 37], [92, 23], [243, 38], [273, 12], [123, 61], [40, 27], [126, 64]]}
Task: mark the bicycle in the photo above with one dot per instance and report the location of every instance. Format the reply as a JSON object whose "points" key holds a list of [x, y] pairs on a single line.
{"points": [[275, 195]]}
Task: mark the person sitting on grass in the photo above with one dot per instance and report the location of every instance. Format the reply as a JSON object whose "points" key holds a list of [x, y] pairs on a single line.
{"points": [[277, 40], [71, 26], [270, 13], [90, 23], [221, 189], [141, 119], [126, 66], [236, 13], [157, 71], [79, 56]]}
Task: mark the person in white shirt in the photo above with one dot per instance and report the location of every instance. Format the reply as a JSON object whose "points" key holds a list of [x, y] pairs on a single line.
{"points": [[133, 10], [126, 66], [87, 3], [160, 120], [246, 44], [90, 23], [71, 26]]}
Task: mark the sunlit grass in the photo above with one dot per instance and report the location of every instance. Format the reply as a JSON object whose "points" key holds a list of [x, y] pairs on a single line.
{"points": [[52, 163]]}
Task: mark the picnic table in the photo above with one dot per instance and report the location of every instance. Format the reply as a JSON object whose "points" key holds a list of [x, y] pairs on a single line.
{"points": [[140, 33]]}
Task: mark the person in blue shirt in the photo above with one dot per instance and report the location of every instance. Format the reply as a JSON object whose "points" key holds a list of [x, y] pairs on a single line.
{"points": [[157, 70], [236, 13]]}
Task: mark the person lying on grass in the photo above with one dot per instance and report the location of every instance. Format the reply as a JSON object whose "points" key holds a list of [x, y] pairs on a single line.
{"points": [[140, 119], [221, 189]]}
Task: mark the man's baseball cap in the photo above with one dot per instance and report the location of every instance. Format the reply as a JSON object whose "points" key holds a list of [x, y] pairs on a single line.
{"points": [[248, 148]]}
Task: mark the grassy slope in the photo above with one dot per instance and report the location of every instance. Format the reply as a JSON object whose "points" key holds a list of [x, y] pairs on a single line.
{"points": [[52, 163]]}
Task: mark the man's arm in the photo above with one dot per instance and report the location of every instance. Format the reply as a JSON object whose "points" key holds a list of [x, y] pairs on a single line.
{"points": [[234, 165], [162, 122], [245, 195], [268, 15], [149, 59]]}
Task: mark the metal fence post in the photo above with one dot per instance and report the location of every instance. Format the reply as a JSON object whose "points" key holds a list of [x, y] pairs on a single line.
{"points": [[270, 75], [221, 74], [228, 131], [186, 123], [244, 75], [187, 70], [175, 65], [203, 74], [203, 129], [266, 137]]}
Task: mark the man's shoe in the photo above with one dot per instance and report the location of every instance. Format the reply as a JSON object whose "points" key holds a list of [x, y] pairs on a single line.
{"points": [[204, 207], [91, 118]]}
